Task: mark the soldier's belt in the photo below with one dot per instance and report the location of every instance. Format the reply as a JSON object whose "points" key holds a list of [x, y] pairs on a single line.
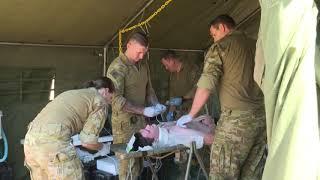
{"points": [[49, 129], [254, 111]]}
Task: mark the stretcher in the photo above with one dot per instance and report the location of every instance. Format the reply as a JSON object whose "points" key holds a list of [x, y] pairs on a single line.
{"points": [[158, 154]]}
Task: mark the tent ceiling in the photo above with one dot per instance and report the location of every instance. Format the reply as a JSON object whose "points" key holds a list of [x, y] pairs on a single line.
{"points": [[184, 24], [82, 22]]}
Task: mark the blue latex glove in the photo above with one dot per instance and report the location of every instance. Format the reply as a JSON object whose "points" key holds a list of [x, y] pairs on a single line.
{"points": [[183, 120], [170, 116], [161, 108], [154, 110], [175, 101]]}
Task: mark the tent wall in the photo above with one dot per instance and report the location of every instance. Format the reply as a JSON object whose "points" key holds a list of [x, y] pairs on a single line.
{"points": [[72, 66]]}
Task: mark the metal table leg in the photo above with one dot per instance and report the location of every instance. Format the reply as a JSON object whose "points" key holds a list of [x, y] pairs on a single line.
{"points": [[189, 163], [199, 159], [193, 149]]}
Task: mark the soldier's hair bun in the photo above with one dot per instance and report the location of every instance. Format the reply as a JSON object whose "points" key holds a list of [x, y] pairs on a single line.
{"points": [[102, 82], [89, 84]]}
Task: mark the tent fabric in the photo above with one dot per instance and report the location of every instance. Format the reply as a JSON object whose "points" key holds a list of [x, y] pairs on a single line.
{"points": [[182, 24], [317, 64], [79, 22], [287, 45]]}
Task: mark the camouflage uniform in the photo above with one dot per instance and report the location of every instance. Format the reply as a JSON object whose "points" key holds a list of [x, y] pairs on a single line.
{"points": [[240, 145], [48, 152], [132, 83], [183, 83], [240, 137]]}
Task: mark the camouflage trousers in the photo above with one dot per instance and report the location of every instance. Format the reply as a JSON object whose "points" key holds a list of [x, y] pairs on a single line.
{"points": [[44, 164], [238, 149], [122, 130]]}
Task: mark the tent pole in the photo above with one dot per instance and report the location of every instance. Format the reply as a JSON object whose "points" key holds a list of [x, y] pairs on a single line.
{"points": [[47, 45], [253, 13], [104, 73], [164, 49]]}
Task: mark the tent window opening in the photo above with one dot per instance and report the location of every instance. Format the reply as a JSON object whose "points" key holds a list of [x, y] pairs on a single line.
{"points": [[51, 94]]}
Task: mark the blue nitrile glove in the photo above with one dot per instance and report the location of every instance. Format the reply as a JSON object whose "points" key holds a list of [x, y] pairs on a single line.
{"points": [[161, 108], [183, 120], [154, 110], [84, 155], [175, 101], [170, 116]]}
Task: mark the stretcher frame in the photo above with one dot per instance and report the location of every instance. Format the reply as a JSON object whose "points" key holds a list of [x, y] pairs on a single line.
{"points": [[121, 154]]}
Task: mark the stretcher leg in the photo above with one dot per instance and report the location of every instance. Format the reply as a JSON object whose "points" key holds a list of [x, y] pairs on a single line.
{"points": [[189, 164], [200, 161], [193, 149]]}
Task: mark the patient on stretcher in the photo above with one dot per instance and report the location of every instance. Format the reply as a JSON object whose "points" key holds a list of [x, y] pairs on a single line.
{"points": [[200, 130]]}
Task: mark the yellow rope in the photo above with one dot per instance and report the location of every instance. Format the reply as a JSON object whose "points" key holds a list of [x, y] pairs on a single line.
{"points": [[141, 23]]}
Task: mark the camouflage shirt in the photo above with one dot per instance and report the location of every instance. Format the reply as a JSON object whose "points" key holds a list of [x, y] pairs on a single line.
{"points": [[183, 83], [131, 81], [228, 68], [76, 111]]}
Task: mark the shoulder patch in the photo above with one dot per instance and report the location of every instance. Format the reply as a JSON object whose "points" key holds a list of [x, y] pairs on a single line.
{"points": [[115, 74]]}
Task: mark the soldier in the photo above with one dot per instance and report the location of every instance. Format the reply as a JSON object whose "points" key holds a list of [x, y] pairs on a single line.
{"points": [[240, 136], [132, 81], [183, 79], [47, 148]]}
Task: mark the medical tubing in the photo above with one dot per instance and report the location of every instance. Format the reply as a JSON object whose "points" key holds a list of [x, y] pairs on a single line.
{"points": [[5, 142]]}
